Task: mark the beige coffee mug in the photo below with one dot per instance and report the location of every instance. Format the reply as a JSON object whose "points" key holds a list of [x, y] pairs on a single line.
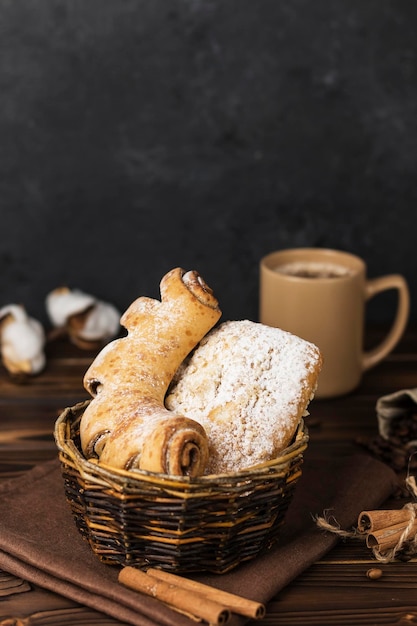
{"points": [[320, 295]]}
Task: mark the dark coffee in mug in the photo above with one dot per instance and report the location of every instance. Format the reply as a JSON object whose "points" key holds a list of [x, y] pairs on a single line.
{"points": [[313, 270]]}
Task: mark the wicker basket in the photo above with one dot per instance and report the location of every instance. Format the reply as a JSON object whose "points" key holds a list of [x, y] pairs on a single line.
{"points": [[181, 524]]}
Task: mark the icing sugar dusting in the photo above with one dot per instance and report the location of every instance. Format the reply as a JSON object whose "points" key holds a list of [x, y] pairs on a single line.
{"points": [[246, 384]]}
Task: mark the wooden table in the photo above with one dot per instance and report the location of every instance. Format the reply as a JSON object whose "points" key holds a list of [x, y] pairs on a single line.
{"points": [[334, 590]]}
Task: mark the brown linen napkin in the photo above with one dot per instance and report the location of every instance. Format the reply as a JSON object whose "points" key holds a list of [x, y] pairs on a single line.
{"points": [[40, 543]]}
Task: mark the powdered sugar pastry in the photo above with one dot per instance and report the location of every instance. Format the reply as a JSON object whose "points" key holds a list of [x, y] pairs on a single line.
{"points": [[248, 385]]}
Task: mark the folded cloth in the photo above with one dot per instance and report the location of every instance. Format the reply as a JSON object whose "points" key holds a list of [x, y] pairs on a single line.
{"points": [[39, 541]]}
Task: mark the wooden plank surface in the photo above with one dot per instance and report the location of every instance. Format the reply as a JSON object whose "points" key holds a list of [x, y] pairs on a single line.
{"points": [[334, 590]]}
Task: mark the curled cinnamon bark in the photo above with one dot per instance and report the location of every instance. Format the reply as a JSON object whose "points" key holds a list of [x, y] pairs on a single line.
{"points": [[182, 599]]}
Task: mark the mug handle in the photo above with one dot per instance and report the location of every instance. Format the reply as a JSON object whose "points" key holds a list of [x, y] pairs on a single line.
{"points": [[372, 288]]}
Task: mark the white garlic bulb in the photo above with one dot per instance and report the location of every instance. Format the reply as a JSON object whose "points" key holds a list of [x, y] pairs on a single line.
{"points": [[89, 322], [22, 341]]}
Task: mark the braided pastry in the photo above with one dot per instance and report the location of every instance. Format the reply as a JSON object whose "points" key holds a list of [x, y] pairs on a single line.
{"points": [[126, 424]]}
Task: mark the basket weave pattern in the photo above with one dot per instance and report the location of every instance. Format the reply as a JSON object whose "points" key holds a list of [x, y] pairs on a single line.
{"points": [[182, 524]]}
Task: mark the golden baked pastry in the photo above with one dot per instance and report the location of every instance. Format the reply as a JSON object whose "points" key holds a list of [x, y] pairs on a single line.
{"points": [[126, 424], [248, 385]]}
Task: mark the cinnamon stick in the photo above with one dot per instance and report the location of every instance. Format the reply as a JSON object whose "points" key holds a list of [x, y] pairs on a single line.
{"points": [[236, 604], [177, 597], [389, 537], [370, 521]]}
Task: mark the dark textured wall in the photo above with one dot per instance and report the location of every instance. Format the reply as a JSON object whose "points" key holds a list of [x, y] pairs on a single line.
{"points": [[139, 135]]}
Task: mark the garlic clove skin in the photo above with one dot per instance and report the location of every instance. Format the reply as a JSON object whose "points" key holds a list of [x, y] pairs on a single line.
{"points": [[22, 341], [62, 303], [102, 323], [89, 322]]}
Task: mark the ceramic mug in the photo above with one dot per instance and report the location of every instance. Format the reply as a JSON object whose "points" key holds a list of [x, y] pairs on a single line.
{"points": [[320, 295]]}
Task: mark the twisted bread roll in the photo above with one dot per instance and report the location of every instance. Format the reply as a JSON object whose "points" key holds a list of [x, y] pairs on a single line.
{"points": [[126, 424], [155, 439]]}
